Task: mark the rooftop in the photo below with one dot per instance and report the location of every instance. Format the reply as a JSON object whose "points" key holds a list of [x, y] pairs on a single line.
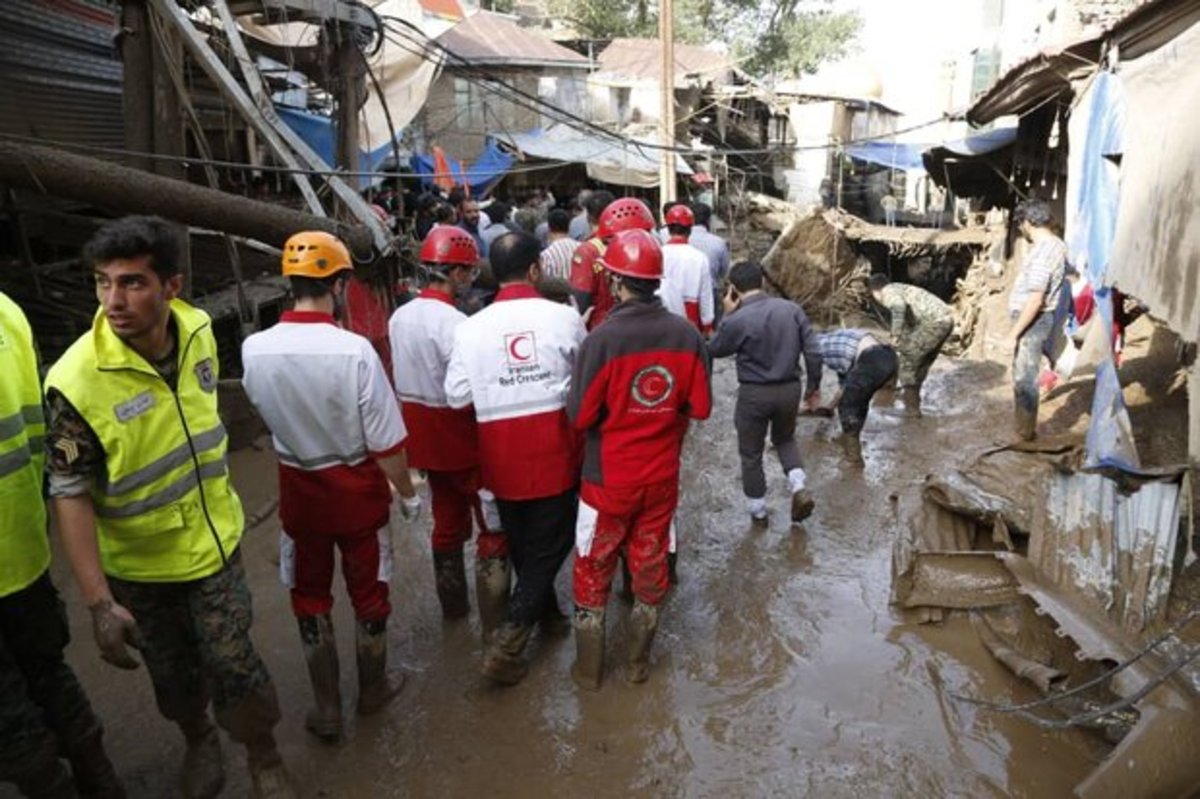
{"points": [[487, 38]]}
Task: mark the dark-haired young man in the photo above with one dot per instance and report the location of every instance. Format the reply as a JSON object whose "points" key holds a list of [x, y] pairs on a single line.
{"points": [[1031, 306], [556, 257], [146, 507], [769, 336], [513, 361], [638, 379], [339, 438]]}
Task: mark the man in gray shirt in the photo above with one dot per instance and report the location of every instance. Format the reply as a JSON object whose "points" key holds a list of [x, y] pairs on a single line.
{"points": [[769, 336], [714, 247]]}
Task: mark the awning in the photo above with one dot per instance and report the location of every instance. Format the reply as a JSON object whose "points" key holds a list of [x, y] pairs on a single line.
{"points": [[893, 155], [1034, 81], [489, 167], [972, 166], [610, 161]]}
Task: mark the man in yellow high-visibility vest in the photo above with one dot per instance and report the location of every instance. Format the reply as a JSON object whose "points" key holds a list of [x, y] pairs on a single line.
{"points": [[43, 710], [146, 508]]}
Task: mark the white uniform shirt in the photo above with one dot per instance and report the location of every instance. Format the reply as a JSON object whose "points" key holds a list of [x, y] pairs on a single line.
{"points": [[322, 391], [422, 336], [687, 281]]}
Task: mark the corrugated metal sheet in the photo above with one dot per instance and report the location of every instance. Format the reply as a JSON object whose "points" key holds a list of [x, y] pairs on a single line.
{"points": [[60, 75]]}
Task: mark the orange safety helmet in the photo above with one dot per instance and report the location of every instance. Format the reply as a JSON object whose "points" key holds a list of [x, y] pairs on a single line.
{"points": [[315, 254], [449, 246], [680, 215], [634, 253], [627, 213]]}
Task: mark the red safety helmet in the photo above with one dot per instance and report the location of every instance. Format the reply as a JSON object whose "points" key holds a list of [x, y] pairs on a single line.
{"points": [[680, 215], [449, 246], [627, 213], [634, 253]]}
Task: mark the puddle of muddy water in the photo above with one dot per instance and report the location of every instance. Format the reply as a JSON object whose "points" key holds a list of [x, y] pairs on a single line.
{"points": [[780, 669]]}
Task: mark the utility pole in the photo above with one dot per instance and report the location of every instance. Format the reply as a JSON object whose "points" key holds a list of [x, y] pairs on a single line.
{"points": [[351, 92], [666, 35]]}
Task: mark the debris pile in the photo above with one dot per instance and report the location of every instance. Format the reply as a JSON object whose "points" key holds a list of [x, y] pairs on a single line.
{"points": [[814, 264]]}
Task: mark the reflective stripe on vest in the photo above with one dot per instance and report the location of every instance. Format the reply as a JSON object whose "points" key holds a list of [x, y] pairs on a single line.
{"points": [[165, 509], [24, 547]]}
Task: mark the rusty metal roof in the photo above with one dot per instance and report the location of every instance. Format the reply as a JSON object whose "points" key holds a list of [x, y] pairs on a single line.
{"points": [[641, 60], [487, 38]]}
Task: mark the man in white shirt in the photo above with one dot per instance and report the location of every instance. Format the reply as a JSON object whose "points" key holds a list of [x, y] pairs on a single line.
{"points": [[513, 361], [339, 437], [443, 440], [687, 279]]}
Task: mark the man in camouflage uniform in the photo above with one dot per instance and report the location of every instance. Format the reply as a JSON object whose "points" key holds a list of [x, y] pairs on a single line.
{"points": [[146, 509], [44, 714], [920, 323]]}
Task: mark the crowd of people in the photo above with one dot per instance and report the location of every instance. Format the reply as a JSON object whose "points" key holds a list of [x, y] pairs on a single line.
{"points": [[544, 422]]}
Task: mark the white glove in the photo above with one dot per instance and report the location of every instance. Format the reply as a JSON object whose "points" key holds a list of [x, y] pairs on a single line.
{"points": [[410, 507], [491, 512]]}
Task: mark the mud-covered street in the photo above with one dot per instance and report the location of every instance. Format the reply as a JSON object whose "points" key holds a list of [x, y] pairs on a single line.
{"points": [[780, 669]]}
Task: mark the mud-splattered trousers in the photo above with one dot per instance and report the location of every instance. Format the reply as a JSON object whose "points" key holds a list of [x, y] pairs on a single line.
{"points": [[761, 407], [1027, 362], [918, 348], [42, 704], [540, 533], [196, 644], [306, 567], [456, 506], [874, 368], [633, 521]]}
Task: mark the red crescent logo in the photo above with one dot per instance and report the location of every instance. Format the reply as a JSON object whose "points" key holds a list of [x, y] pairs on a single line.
{"points": [[516, 353]]}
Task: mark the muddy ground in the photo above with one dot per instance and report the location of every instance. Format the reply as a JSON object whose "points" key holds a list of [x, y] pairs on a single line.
{"points": [[780, 669]]}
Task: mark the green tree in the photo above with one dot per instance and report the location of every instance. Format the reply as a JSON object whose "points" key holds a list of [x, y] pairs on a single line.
{"points": [[779, 38]]}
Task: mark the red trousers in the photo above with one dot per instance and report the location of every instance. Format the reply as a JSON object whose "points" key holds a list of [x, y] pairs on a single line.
{"points": [[455, 501], [635, 521], [308, 569]]}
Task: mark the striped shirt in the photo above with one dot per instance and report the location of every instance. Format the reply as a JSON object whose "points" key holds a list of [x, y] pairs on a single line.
{"points": [[556, 258], [839, 348], [1042, 271]]}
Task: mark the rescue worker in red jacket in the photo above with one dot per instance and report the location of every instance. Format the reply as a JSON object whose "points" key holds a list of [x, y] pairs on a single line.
{"points": [[444, 440], [638, 380], [687, 281], [339, 438], [588, 277], [513, 361]]}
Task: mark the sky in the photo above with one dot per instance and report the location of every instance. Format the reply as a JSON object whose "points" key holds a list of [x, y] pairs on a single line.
{"points": [[907, 42]]}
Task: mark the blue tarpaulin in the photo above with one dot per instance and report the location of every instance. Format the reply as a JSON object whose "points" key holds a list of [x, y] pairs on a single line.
{"points": [[489, 167], [1092, 221], [318, 133], [893, 155]]}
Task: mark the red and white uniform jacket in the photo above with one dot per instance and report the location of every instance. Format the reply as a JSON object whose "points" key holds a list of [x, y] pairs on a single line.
{"points": [[589, 280], [441, 438], [638, 380], [687, 283], [325, 396], [513, 360]]}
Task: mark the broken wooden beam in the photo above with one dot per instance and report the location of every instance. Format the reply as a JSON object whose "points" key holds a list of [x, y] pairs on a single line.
{"points": [[122, 190]]}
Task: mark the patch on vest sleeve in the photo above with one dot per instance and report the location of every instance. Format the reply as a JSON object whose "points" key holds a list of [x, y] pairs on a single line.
{"points": [[133, 408], [206, 376]]}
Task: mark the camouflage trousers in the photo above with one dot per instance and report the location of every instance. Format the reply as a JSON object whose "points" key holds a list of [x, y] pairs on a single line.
{"points": [[42, 704], [918, 349], [196, 644]]}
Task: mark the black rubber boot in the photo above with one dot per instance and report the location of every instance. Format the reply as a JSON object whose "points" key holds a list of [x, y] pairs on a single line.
{"points": [[643, 623], [588, 670], [376, 688], [324, 720], [93, 772], [493, 577], [504, 659], [802, 505], [450, 575], [1026, 424], [852, 449], [43, 776], [203, 772]]}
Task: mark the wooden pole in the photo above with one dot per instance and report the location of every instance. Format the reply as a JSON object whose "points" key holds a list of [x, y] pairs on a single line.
{"points": [[666, 35], [137, 98], [351, 87], [170, 135]]}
